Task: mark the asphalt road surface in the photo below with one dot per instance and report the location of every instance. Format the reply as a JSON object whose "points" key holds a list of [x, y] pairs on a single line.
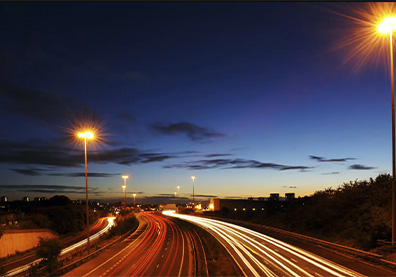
{"points": [[159, 247], [257, 254]]}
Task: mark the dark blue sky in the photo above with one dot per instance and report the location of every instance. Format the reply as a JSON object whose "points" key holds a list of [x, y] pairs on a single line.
{"points": [[251, 98]]}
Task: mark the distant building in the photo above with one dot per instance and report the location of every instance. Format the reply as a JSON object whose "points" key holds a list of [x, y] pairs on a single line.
{"points": [[216, 204], [26, 199], [167, 207], [290, 196], [40, 198], [250, 204], [274, 196], [4, 199]]}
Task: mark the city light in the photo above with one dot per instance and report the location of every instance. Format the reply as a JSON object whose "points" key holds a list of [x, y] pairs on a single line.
{"points": [[388, 25], [87, 135]]}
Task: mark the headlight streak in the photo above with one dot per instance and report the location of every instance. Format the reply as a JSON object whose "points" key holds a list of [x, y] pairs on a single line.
{"points": [[294, 250], [234, 244], [257, 246], [65, 250], [249, 241]]}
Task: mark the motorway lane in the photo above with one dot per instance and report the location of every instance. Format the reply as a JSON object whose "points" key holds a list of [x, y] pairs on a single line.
{"points": [[260, 255], [160, 247]]}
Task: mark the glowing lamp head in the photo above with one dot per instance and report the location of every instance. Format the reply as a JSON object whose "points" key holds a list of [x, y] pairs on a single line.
{"points": [[125, 176], [388, 25], [124, 187], [87, 135], [134, 194], [193, 177]]}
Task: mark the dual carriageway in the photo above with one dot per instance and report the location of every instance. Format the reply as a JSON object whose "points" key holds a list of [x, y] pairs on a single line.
{"points": [[163, 246]]}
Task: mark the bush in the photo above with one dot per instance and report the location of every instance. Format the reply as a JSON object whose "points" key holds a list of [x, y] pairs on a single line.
{"points": [[49, 250]]}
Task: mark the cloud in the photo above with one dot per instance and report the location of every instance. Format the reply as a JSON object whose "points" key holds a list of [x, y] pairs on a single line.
{"points": [[39, 152], [51, 189], [360, 167], [154, 157], [82, 174], [217, 155], [28, 172], [204, 195], [234, 164], [331, 173], [290, 187], [41, 105], [192, 131], [322, 159]]}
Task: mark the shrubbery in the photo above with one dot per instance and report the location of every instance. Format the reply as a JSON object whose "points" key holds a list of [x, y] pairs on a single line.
{"points": [[49, 250], [123, 224], [357, 213]]}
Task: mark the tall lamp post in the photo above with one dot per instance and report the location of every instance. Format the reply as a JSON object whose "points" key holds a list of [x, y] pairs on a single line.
{"points": [[125, 177], [387, 27], [134, 195], [193, 178], [85, 136], [178, 190]]}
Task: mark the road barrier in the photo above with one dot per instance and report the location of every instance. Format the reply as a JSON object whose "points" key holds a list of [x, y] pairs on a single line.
{"points": [[73, 265], [377, 258]]}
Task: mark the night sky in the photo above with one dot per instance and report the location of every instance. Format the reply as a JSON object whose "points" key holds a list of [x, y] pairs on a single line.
{"points": [[251, 98]]}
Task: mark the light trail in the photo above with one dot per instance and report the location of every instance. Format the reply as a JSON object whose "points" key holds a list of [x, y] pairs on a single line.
{"points": [[145, 256], [260, 255], [64, 251]]}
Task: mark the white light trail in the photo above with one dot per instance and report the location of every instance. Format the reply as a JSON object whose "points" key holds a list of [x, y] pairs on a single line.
{"points": [[253, 250], [26, 267]]}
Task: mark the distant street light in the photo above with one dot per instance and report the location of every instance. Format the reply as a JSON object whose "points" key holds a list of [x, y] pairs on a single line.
{"points": [[134, 195], [86, 135], [178, 190], [123, 188], [193, 178], [175, 194], [386, 27], [125, 177]]}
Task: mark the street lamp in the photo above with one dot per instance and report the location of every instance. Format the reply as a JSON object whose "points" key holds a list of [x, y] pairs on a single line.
{"points": [[124, 187], [193, 178], [134, 195], [175, 193], [178, 190], [86, 135], [386, 27]]}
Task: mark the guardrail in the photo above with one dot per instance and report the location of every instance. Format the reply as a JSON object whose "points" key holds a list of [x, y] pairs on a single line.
{"points": [[355, 252], [73, 265]]}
